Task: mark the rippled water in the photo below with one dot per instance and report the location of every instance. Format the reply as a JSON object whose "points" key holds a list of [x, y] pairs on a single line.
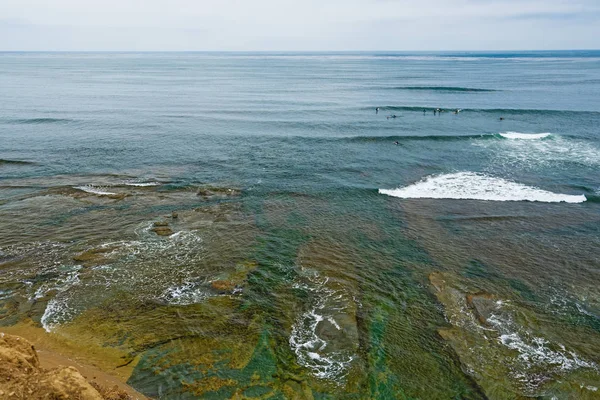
{"points": [[251, 225]]}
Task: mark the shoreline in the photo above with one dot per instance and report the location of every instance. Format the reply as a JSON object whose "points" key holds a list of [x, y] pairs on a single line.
{"points": [[54, 351]]}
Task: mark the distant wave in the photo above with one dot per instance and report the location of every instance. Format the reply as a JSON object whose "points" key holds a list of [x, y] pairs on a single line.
{"points": [[397, 138], [443, 89], [39, 121], [474, 186], [14, 162], [451, 138], [497, 111]]}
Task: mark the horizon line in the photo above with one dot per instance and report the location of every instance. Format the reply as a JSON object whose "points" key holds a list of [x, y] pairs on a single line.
{"points": [[303, 51]]}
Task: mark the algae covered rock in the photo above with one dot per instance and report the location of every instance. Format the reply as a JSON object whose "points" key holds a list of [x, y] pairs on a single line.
{"points": [[162, 229]]}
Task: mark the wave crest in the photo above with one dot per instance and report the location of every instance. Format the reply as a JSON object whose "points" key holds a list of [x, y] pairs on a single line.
{"points": [[450, 89]]}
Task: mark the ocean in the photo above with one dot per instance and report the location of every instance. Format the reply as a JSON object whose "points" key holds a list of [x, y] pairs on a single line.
{"points": [[308, 225]]}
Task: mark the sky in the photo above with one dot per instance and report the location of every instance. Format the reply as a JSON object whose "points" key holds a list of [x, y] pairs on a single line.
{"points": [[298, 25]]}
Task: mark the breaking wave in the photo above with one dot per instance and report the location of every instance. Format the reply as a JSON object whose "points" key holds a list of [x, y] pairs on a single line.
{"points": [[525, 136], [474, 186]]}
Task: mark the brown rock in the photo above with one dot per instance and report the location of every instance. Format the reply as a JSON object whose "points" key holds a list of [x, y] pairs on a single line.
{"points": [[482, 304], [223, 286], [163, 231], [67, 383], [23, 377]]}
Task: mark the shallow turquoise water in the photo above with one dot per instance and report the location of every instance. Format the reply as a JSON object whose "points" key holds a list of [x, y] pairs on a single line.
{"points": [[337, 284]]}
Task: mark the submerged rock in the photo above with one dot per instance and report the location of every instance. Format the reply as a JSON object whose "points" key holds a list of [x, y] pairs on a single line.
{"points": [[218, 192], [506, 348], [93, 256]]}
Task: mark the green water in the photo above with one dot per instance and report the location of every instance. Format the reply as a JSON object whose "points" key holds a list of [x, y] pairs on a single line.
{"points": [[280, 270]]}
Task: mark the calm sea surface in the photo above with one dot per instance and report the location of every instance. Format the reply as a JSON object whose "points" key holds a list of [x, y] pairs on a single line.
{"points": [[285, 225]]}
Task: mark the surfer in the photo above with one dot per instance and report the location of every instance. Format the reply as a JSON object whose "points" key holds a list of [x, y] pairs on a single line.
{"points": [[501, 118], [377, 110], [424, 112], [396, 143], [434, 112]]}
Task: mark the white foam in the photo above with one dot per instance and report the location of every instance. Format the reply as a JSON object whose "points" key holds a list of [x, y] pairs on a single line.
{"points": [[474, 186], [141, 184], [538, 150], [94, 190], [590, 388], [311, 349], [58, 310], [525, 136], [537, 351], [61, 284], [185, 294], [534, 350]]}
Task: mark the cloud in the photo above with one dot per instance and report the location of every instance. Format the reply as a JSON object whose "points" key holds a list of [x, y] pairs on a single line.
{"points": [[298, 24]]}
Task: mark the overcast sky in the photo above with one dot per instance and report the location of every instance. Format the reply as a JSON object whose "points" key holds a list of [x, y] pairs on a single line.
{"points": [[299, 24]]}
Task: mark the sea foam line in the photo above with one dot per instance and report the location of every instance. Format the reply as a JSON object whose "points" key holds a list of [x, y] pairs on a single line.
{"points": [[475, 186]]}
